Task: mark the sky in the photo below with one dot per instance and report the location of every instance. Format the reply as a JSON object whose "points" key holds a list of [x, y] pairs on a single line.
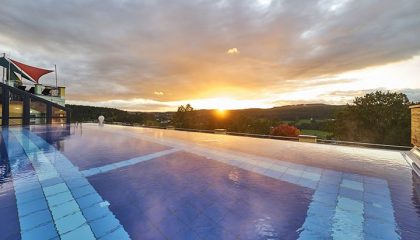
{"points": [[153, 55]]}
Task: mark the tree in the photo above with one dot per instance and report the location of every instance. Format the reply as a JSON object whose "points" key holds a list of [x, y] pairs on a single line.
{"points": [[285, 130], [183, 117], [378, 117]]}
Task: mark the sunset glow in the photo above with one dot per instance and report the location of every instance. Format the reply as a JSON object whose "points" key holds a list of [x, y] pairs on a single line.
{"points": [[228, 55]]}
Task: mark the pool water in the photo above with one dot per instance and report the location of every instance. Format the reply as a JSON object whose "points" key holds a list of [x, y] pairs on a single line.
{"points": [[114, 182]]}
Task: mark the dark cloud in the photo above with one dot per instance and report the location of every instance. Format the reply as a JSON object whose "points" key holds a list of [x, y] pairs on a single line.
{"points": [[116, 49]]}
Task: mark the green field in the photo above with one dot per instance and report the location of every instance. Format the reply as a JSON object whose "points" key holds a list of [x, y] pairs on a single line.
{"points": [[318, 133]]}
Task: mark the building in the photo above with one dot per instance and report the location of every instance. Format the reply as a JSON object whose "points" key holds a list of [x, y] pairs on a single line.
{"points": [[24, 100]]}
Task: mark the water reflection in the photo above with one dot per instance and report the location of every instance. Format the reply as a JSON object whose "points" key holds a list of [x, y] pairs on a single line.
{"points": [[416, 191], [5, 170]]}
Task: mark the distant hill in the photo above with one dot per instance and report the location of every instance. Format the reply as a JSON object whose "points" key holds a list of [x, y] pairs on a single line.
{"points": [[283, 113], [294, 112]]}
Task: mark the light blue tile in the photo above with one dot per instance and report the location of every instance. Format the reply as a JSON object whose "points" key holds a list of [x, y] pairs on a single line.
{"points": [[311, 176], [352, 184], [84, 232], [60, 198], [55, 189], [65, 209], [347, 225], [294, 172], [70, 223]]}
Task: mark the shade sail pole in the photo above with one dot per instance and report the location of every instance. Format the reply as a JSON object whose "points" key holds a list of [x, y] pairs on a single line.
{"points": [[9, 71], [56, 79], [4, 55]]}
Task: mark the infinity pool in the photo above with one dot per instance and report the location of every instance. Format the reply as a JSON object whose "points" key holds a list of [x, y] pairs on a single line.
{"points": [[115, 182]]}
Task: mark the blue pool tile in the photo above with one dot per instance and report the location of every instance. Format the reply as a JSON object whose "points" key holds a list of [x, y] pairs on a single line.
{"points": [[27, 186], [30, 207], [377, 189], [35, 219], [88, 200], [76, 182], [373, 180], [43, 232], [119, 234], [70, 222], [352, 194], [304, 182], [374, 228], [84, 232], [104, 225], [378, 200], [290, 178], [82, 191], [29, 196], [94, 212], [327, 188], [378, 212]]}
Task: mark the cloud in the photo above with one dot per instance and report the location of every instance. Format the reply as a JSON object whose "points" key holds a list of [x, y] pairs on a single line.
{"points": [[158, 93], [232, 51], [123, 50]]}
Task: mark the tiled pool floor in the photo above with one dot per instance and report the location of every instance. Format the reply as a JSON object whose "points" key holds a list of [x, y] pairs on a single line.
{"points": [[166, 187]]}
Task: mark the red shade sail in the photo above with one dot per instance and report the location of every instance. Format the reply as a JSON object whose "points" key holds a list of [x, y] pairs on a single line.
{"points": [[33, 72]]}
